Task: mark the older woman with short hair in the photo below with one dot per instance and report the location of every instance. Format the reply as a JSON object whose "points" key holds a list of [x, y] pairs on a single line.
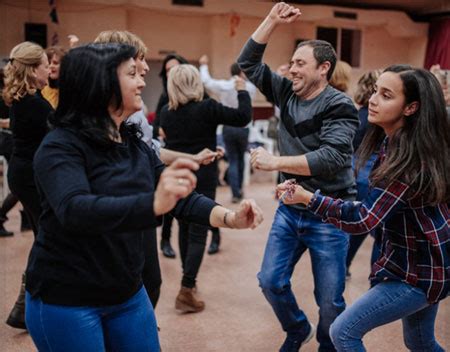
{"points": [[189, 124], [51, 92]]}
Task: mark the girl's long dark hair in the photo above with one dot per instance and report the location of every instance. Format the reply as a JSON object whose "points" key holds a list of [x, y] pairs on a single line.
{"points": [[88, 86], [418, 152]]}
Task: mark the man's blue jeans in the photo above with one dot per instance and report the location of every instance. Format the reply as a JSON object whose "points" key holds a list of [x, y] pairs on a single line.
{"points": [[130, 326], [386, 302], [293, 232]]}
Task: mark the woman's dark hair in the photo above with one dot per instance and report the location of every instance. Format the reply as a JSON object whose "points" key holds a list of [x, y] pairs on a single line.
{"points": [[418, 152], [163, 72], [89, 84]]}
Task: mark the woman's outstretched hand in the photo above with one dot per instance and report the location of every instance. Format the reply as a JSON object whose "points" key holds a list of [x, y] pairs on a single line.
{"points": [[248, 215], [205, 157], [176, 181]]}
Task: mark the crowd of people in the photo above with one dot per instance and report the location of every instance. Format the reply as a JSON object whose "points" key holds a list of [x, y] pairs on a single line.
{"points": [[95, 180]]}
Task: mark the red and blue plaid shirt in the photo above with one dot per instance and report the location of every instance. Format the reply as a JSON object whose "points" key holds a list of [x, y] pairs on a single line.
{"points": [[416, 239]]}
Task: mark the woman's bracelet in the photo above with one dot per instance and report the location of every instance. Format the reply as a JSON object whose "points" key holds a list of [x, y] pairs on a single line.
{"points": [[225, 218]]}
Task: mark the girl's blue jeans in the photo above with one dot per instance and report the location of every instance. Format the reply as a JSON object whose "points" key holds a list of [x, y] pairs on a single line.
{"points": [[384, 303], [130, 326]]}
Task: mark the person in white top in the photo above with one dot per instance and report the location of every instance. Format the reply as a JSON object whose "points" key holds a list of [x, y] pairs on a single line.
{"points": [[224, 88], [235, 138]]}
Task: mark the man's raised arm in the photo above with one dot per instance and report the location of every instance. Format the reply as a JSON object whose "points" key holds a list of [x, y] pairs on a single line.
{"points": [[281, 13], [250, 59]]}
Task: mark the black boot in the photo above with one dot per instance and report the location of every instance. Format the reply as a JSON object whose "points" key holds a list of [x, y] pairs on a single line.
{"points": [[215, 242], [16, 318], [167, 249], [24, 223]]}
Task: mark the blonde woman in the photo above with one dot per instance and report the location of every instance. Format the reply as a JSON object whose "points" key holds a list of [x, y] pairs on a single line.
{"points": [[341, 76], [188, 124], [25, 75]]}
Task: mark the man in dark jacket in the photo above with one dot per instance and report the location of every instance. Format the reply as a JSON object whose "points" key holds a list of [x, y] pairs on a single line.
{"points": [[317, 126]]}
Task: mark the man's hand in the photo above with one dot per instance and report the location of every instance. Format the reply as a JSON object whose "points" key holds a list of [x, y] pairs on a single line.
{"points": [[73, 40], [239, 83], [204, 60], [176, 181], [283, 13], [4, 123], [261, 159]]}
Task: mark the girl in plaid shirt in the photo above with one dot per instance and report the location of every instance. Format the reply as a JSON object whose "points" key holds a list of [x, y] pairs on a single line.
{"points": [[408, 199]]}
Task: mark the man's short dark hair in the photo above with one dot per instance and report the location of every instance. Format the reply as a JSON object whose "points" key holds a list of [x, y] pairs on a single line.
{"points": [[322, 51], [235, 69]]}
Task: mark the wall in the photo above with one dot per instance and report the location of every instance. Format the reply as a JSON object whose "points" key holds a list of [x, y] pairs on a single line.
{"points": [[387, 36]]}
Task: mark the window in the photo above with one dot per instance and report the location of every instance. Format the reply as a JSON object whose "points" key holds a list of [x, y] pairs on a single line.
{"points": [[36, 33], [346, 42], [188, 2], [351, 46], [330, 35]]}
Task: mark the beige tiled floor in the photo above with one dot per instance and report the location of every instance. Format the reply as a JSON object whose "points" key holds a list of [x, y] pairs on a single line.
{"points": [[237, 317]]}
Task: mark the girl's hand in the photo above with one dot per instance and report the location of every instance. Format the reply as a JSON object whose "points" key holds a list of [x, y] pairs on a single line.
{"points": [[248, 215], [290, 193], [176, 181]]}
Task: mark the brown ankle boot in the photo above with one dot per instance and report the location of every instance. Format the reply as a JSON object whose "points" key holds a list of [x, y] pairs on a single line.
{"points": [[16, 318], [186, 302]]}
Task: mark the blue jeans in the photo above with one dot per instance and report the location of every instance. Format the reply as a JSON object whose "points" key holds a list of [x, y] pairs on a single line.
{"points": [[130, 326], [293, 232], [386, 302], [362, 180], [362, 187], [236, 141]]}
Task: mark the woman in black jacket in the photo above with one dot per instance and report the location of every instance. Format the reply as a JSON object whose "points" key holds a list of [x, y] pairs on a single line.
{"points": [[168, 63], [25, 75], [188, 124], [102, 190]]}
